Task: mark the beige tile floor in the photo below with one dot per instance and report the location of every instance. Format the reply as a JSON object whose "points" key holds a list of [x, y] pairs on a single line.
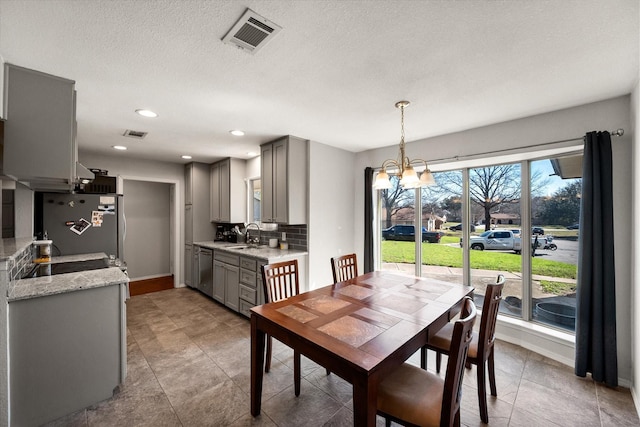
{"points": [[188, 363]]}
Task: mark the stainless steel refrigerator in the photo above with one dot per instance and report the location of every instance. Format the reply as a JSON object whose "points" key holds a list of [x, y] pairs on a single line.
{"points": [[82, 223]]}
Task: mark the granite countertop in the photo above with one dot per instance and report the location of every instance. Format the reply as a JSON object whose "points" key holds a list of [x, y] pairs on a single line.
{"points": [[69, 282], [263, 252], [10, 247]]}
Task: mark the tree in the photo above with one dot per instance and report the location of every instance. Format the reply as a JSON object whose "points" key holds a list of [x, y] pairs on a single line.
{"points": [[395, 199], [491, 187], [563, 207]]}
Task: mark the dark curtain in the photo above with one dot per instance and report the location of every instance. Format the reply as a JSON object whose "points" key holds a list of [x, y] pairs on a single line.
{"points": [[368, 220], [596, 349]]}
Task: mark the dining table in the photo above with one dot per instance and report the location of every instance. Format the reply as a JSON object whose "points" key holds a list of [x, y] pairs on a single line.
{"points": [[360, 329]]}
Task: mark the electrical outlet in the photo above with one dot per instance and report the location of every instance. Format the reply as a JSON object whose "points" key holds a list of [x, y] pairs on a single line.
{"points": [[284, 236]]}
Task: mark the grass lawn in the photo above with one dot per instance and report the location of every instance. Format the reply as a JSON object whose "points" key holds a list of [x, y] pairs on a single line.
{"points": [[451, 256]]}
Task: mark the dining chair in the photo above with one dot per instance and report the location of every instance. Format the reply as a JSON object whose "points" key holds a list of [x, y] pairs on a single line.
{"points": [[280, 281], [413, 396], [344, 267], [481, 352]]}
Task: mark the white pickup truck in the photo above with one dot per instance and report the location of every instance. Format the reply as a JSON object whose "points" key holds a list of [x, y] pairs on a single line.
{"points": [[500, 240]]}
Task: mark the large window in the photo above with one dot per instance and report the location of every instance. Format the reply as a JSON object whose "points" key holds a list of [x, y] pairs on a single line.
{"points": [[519, 219]]}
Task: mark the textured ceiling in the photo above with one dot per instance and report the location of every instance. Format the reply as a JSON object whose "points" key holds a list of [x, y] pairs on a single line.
{"points": [[331, 75]]}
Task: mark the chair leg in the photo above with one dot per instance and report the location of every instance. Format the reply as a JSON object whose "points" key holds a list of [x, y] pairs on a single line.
{"points": [[328, 372], [438, 361], [267, 362], [482, 392], [387, 422], [423, 358], [296, 372], [492, 374]]}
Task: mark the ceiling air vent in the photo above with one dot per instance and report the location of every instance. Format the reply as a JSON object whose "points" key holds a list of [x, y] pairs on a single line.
{"points": [[135, 134], [251, 32]]}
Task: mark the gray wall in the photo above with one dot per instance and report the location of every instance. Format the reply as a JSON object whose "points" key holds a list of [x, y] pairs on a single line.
{"points": [[148, 240]]}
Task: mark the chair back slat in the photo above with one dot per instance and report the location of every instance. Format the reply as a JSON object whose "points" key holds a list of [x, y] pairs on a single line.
{"points": [[344, 267], [490, 307], [280, 280], [460, 341]]}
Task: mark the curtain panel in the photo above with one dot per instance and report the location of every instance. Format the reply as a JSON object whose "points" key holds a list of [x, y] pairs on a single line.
{"points": [[368, 220], [596, 343]]}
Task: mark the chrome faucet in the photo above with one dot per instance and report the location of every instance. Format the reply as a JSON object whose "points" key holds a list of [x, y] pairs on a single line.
{"points": [[248, 238]]}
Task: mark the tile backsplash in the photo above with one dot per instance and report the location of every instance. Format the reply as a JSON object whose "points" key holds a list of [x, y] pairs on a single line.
{"points": [[18, 265], [296, 236]]}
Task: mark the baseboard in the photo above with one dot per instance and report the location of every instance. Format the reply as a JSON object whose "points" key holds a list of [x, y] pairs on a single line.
{"points": [[155, 284], [636, 401]]}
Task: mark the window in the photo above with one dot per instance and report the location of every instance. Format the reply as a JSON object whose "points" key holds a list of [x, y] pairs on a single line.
{"points": [[500, 202], [254, 194]]}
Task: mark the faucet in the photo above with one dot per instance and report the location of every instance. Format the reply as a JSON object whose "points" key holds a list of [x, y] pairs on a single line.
{"points": [[248, 238]]}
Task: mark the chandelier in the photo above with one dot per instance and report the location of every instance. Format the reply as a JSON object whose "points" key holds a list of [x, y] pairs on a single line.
{"points": [[408, 176]]}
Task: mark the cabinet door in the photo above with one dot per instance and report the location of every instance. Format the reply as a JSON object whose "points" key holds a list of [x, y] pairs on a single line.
{"points": [[188, 184], [39, 134], [188, 223], [232, 291], [224, 195], [218, 281], [280, 190], [188, 266], [266, 180], [215, 192]]}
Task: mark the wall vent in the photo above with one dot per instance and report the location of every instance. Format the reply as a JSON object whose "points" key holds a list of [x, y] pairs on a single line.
{"points": [[251, 32], [135, 134]]}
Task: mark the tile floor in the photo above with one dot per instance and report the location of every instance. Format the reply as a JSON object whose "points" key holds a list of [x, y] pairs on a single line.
{"points": [[189, 366]]}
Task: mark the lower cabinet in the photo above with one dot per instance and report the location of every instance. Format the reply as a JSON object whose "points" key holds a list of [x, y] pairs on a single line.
{"points": [[226, 279], [188, 265]]}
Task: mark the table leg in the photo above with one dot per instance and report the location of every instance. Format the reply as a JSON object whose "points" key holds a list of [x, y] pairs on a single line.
{"points": [[257, 366], [364, 403]]}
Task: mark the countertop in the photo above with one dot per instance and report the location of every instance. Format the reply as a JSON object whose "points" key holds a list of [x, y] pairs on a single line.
{"points": [[262, 252], [69, 282]]}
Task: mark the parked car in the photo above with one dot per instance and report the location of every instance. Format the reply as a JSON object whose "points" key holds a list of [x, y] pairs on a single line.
{"points": [[407, 232], [537, 230], [458, 227], [575, 226], [500, 240]]}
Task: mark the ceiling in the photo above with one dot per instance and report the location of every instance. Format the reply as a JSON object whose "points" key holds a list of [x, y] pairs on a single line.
{"points": [[332, 75]]}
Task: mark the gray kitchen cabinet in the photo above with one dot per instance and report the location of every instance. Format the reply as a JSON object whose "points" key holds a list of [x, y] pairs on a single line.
{"points": [[188, 265], [197, 191], [226, 279], [228, 201], [251, 292], [40, 147], [284, 169], [197, 226]]}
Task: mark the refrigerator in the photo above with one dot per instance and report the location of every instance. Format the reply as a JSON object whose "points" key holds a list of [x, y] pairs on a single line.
{"points": [[81, 223]]}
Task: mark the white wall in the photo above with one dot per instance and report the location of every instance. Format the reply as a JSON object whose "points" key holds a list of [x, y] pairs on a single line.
{"points": [[147, 246], [635, 250], [331, 203], [560, 125]]}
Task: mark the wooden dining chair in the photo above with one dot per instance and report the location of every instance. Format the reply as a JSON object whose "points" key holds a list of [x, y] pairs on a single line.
{"points": [[481, 352], [344, 267], [413, 396], [279, 281]]}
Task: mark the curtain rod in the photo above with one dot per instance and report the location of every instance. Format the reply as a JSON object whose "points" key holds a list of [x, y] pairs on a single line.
{"points": [[617, 132]]}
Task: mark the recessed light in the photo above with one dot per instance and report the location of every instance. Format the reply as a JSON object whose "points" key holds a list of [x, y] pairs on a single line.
{"points": [[119, 147], [186, 157], [252, 153], [147, 113], [236, 132]]}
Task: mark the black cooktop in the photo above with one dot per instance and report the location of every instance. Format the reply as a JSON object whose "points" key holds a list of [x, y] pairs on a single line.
{"points": [[40, 270]]}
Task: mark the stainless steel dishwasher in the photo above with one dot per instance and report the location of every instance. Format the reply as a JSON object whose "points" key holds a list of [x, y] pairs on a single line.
{"points": [[205, 271]]}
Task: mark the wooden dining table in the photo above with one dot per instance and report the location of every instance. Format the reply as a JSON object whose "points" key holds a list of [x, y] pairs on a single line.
{"points": [[361, 329]]}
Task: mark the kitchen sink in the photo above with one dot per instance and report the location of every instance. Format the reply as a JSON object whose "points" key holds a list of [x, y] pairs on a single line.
{"points": [[249, 247]]}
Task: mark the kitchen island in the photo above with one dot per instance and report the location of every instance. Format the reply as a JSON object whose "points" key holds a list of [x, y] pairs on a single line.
{"points": [[67, 340]]}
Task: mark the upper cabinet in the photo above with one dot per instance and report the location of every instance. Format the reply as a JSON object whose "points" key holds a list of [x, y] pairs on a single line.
{"points": [[196, 213], [284, 180], [40, 146], [228, 191]]}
